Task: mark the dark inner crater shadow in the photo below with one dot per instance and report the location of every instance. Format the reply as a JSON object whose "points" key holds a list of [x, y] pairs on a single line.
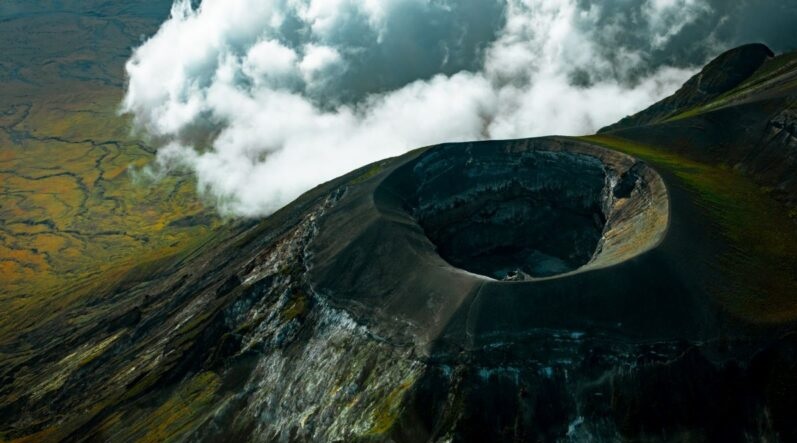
{"points": [[533, 214]]}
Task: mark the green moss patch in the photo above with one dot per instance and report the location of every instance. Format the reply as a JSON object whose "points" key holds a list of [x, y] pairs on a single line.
{"points": [[762, 257], [387, 412]]}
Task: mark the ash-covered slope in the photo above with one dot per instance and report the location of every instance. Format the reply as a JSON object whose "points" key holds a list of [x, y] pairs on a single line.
{"points": [[554, 289]]}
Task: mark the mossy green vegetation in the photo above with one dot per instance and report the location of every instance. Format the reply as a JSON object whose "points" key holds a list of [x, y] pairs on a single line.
{"points": [[75, 224], [167, 419], [761, 261], [776, 74], [177, 414], [296, 307], [387, 412], [72, 218], [368, 173]]}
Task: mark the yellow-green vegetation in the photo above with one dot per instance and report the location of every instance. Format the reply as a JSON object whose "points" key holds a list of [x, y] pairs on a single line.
{"points": [[371, 171], [46, 435], [296, 307], [70, 215], [74, 223], [72, 220], [181, 410], [763, 239], [776, 74], [80, 357], [387, 412], [170, 419]]}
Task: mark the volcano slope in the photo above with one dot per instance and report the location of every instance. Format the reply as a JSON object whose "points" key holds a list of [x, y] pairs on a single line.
{"points": [[635, 285]]}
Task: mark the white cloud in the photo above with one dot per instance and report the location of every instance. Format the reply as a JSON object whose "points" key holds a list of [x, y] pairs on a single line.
{"points": [[267, 90], [668, 17], [319, 62], [268, 62]]}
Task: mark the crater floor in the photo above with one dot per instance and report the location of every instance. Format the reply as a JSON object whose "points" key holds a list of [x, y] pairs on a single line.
{"points": [[526, 214]]}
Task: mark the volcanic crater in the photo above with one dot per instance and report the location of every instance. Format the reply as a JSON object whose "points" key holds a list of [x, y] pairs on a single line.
{"points": [[536, 213], [465, 243]]}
